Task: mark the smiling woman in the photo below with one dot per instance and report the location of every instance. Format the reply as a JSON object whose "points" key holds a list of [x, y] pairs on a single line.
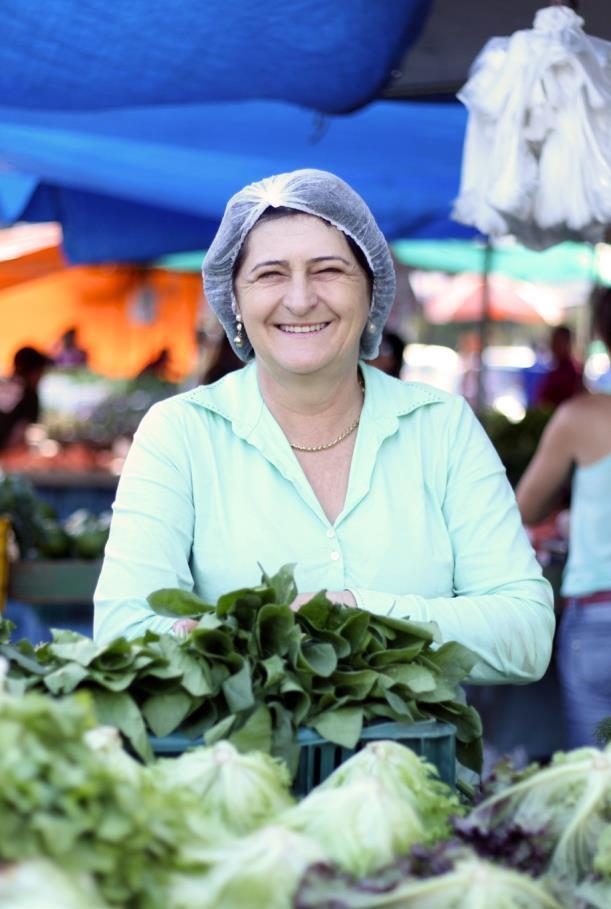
{"points": [[387, 494]]}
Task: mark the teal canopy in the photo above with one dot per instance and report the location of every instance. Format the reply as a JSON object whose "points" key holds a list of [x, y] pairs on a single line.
{"points": [[558, 265]]}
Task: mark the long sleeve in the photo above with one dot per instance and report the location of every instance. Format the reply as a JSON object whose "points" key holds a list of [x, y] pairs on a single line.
{"points": [[151, 531], [502, 606]]}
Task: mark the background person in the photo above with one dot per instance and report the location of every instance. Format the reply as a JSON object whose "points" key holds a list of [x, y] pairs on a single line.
{"points": [[19, 403], [390, 354], [578, 437], [388, 494], [67, 352], [564, 379]]}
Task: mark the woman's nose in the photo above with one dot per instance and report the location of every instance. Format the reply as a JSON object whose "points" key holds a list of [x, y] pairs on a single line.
{"points": [[300, 295]]}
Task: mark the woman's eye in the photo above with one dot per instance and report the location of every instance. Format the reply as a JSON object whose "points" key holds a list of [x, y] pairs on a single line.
{"points": [[331, 270], [269, 274]]}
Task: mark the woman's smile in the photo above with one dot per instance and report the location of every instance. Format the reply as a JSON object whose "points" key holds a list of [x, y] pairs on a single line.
{"points": [[308, 329]]}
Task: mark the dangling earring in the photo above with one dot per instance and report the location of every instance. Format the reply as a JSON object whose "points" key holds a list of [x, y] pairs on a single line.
{"points": [[238, 340]]}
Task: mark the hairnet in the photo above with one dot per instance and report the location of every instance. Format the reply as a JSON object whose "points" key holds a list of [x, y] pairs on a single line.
{"points": [[315, 192]]}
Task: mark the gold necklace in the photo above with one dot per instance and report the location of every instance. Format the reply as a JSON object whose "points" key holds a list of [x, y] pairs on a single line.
{"points": [[336, 441]]}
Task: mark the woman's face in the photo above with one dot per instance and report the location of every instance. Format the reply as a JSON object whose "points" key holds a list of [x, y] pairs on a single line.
{"points": [[303, 297]]}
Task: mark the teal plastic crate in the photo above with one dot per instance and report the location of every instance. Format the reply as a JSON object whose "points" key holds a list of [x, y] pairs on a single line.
{"points": [[432, 740], [318, 758]]}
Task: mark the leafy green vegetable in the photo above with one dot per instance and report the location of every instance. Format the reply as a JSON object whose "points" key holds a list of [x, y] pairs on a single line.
{"points": [[70, 794], [406, 776], [261, 870], [569, 801], [256, 672], [469, 883], [22, 884], [361, 825], [233, 794]]}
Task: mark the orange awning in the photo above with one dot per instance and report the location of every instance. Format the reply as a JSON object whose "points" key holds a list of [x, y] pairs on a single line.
{"points": [[123, 315]]}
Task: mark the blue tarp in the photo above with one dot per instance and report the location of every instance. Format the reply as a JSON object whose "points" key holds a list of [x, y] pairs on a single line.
{"points": [[135, 184], [328, 55]]}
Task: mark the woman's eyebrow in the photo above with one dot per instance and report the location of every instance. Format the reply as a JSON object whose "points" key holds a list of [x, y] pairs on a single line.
{"points": [[268, 262]]}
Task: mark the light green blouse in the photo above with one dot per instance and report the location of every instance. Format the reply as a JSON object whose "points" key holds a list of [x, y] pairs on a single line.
{"points": [[429, 530]]}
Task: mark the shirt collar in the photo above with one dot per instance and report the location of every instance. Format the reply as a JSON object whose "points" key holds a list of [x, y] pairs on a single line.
{"points": [[237, 398]]}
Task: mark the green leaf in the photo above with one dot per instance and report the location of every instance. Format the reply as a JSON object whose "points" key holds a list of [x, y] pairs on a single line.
{"points": [[471, 754], [14, 655], [340, 645], [256, 733], [356, 685], [117, 654], [112, 681], [342, 726], [68, 645], [180, 604], [415, 677], [66, 678], [217, 645], [295, 699], [355, 630], [319, 612], [165, 712], [194, 676], [397, 655], [400, 704], [319, 659], [119, 709], [203, 718], [238, 690], [228, 603], [273, 629], [220, 730], [274, 668], [453, 660], [427, 631], [282, 583]]}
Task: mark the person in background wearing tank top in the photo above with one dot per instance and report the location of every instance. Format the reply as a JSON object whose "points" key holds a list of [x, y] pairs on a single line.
{"points": [[578, 439]]}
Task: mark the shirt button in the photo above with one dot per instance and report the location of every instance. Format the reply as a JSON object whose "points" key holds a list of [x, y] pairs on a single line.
{"points": [[330, 533], [335, 555]]}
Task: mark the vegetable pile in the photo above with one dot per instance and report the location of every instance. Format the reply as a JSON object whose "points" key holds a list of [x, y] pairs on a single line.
{"points": [[38, 532], [90, 827], [213, 829], [255, 672], [540, 839]]}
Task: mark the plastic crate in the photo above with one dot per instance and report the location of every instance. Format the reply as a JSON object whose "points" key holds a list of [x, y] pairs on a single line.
{"points": [[432, 740], [318, 758]]}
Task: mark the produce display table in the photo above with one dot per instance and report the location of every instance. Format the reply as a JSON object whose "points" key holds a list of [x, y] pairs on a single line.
{"points": [[54, 582], [65, 491]]}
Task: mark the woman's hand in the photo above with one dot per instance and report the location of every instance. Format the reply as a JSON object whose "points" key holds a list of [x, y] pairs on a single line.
{"points": [[184, 626], [344, 597]]}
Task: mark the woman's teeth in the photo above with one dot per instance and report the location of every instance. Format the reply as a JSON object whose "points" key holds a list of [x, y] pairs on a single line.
{"points": [[303, 329]]}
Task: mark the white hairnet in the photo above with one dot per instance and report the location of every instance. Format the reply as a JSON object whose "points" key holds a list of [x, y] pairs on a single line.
{"points": [[315, 192]]}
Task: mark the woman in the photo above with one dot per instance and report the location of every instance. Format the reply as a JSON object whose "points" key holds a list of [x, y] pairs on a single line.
{"points": [[387, 494], [578, 437]]}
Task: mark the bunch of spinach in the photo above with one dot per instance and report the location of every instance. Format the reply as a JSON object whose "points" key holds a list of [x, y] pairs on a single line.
{"points": [[254, 672]]}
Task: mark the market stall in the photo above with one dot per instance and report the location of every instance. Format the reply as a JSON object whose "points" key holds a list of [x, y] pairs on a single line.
{"points": [[292, 759]]}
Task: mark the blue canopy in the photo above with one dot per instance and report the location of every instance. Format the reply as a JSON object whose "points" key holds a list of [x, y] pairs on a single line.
{"points": [[328, 55], [133, 184]]}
